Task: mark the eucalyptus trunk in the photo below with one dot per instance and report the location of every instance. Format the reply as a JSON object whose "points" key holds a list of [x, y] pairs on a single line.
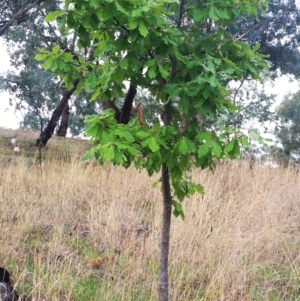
{"points": [[64, 121], [47, 133]]}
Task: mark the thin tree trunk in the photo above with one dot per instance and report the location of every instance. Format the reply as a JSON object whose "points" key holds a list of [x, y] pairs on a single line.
{"points": [[64, 121], [165, 238], [49, 129]]}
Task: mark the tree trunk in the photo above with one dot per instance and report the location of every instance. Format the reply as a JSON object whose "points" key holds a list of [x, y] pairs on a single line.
{"points": [[123, 115], [165, 238], [64, 121], [166, 222], [48, 131], [127, 105]]}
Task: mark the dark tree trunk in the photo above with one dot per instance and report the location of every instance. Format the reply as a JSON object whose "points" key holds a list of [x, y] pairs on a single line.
{"points": [[127, 105], [123, 115], [64, 121], [48, 131], [165, 238]]}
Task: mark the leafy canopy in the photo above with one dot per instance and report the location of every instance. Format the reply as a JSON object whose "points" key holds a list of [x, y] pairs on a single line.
{"points": [[179, 51], [289, 128]]}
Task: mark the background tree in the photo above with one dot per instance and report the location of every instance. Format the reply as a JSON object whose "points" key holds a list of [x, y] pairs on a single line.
{"points": [[39, 93], [14, 12], [288, 130], [275, 30]]}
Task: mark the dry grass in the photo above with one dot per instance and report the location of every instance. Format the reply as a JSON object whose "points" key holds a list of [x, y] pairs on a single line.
{"points": [[84, 232], [57, 149]]}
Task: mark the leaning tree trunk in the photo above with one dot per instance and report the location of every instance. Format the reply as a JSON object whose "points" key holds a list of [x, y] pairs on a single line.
{"points": [[64, 121], [49, 129]]}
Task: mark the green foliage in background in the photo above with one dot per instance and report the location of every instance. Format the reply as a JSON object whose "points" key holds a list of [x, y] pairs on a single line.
{"points": [[288, 130]]}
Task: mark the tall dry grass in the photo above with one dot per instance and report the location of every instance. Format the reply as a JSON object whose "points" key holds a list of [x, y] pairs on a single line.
{"points": [[84, 232]]}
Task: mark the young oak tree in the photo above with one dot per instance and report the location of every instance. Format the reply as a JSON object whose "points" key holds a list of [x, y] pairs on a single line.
{"points": [[181, 52]]}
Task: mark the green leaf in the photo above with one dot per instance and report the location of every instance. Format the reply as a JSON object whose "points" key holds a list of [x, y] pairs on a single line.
{"points": [[142, 134], [236, 149], [199, 188], [133, 151], [94, 3], [216, 149], [41, 57], [245, 142], [154, 185], [118, 158], [200, 15], [108, 154], [143, 29], [133, 23], [48, 63], [164, 73], [256, 47], [183, 147], [191, 146], [203, 150], [213, 81], [95, 95], [152, 72], [153, 145], [120, 8], [56, 49], [177, 209], [203, 136], [213, 14], [136, 12], [229, 147], [53, 15], [90, 154], [222, 13], [128, 136], [124, 63]]}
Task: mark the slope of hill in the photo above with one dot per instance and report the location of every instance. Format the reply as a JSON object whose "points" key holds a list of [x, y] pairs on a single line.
{"points": [[76, 231], [57, 147]]}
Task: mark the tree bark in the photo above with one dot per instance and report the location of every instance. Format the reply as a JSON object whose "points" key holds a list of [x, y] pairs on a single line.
{"points": [[48, 131], [167, 197], [64, 121], [165, 238], [127, 105], [123, 115]]}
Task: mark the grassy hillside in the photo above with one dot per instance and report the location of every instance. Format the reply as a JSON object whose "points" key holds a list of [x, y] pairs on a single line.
{"points": [[58, 148], [77, 231]]}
